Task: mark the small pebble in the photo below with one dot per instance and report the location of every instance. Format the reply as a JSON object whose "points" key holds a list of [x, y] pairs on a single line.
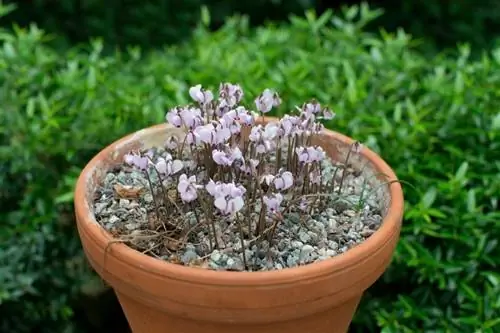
{"points": [[350, 213], [215, 256], [305, 252], [124, 203], [131, 226], [367, 232], [148, 198], [113, 219], [99, 207], [304, 237]]}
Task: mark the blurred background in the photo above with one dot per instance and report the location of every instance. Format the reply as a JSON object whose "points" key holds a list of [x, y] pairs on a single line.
{"points": [[417, 81]]}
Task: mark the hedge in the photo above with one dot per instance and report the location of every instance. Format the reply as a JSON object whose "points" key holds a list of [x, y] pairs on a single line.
{"points": [[151, 24], [123, 22], [436, 121]]}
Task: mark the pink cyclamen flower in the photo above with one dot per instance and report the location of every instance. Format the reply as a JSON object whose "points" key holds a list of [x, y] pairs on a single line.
{"points": [[273, 202], [228, 205], [283, 181], [230, 93], [245, 117], [201, 95], [310, 154], [250, 168], [256, 133], [214, 133], [222, 133], [167, 166], [356, 147], [230, 122], [191, 117], [228, 196], [302, 154], [318, 128], [328, 114], [220, 189], [187, 188], [303, 204], [270, 131], [311, 108], [227, 157], [268, 179], [263, 137], [267, 100], [191, 138], [172, 143], [316, 154], [173, 117], [287, 125], [138, 161], [205, 134]]}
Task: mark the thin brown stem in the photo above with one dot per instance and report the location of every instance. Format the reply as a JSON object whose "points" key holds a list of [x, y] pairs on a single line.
{"points": [[242, 240], [344, 171]]}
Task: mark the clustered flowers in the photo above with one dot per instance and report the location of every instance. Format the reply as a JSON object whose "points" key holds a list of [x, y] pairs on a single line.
{"points": [[236, 164]]}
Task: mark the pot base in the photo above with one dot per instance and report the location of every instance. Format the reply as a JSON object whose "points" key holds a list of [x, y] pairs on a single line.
{"points": [[144, 319]]}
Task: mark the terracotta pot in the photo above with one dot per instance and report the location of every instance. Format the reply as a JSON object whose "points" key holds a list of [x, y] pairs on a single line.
{"points": [[160, 297]]}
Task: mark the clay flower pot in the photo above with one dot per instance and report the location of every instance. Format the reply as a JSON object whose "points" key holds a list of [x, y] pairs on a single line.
{"points": [[160, 297]]}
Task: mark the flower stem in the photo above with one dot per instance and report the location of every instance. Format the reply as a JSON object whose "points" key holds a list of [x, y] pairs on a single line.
{"points": [[242, 240], [344, 171]]}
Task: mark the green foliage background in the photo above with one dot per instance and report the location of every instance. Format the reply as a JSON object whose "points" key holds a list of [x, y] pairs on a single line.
{"points": [[435, 120], [153, 23]]}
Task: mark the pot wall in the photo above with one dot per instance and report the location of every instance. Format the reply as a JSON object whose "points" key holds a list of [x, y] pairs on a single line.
{"points": [[160, 297]]}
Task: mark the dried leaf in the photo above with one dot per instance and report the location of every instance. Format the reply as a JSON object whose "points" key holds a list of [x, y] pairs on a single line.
{"points": [[199, 263], [172, 195], [175, 260], [172, 244], [128, 191]]}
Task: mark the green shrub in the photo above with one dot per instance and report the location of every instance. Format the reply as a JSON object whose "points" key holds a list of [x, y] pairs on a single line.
{"points": [[445, 23], [151, 24], [436, 121], [442, 24]]}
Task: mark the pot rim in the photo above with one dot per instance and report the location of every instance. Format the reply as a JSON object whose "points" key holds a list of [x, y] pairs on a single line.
{"points": [[345, 261]]}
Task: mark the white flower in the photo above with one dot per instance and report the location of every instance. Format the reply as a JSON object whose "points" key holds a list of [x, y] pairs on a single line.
{"points": [[173, 117], [311, 108], [231, 94], [255, 133], [283, 181], [228, 156], [187, 188], [228, 197], [172, 143], [328, 114], [228, 205], [268, 179], [201, 95], [205, 133], [273, 202], [167, 166], [250, 168], [267, 100], [356, 147], [191, 117]]}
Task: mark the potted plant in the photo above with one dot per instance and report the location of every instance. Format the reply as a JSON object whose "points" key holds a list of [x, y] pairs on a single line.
{"points": [[227, 220]]}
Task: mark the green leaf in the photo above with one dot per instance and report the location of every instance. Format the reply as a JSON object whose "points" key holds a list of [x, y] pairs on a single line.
{"points": [[462, 171], [471, 200], [429, 197], [492, 323], [64, 198]]}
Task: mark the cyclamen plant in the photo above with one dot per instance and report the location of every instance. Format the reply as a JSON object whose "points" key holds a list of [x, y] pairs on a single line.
{"points": [[234, 169]]}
